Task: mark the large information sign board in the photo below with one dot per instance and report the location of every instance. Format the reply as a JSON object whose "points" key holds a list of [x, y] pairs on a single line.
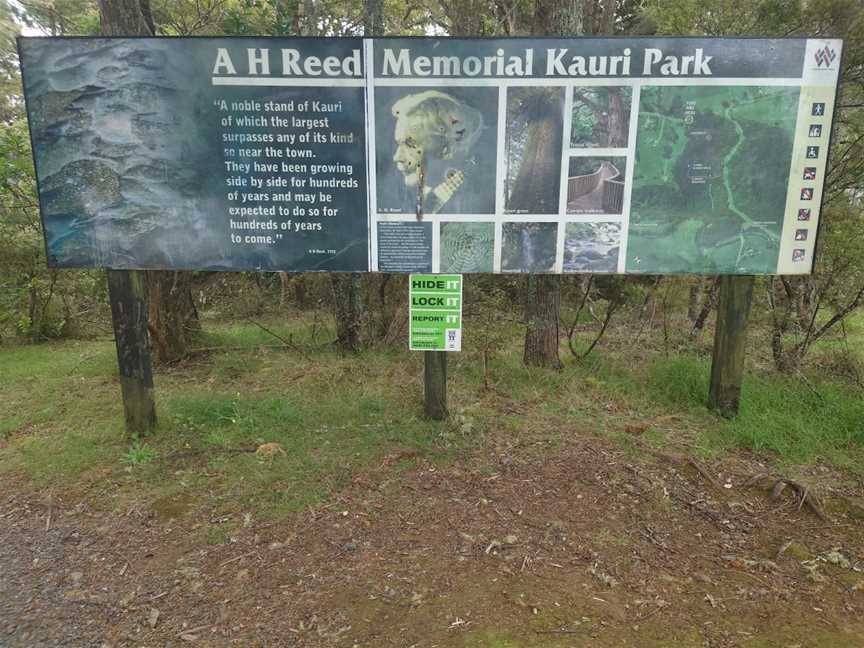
{"points": [[653, 155]]}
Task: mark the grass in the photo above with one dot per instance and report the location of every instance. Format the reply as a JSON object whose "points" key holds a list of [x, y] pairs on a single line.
{"points": [[60, 420], [797, 419], [139, 454], [330, 415]]}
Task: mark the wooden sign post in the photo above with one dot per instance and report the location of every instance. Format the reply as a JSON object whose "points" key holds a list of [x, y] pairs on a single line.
{"points": [[435, 384], [126, 291], [126, 288], [727, 361]]}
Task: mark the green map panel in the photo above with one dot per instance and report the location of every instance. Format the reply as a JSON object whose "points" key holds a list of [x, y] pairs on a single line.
{"points": [[710, 180]]}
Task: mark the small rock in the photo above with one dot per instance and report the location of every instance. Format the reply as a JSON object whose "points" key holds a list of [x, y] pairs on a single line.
{"points": [[276, 545], [602, 576], [636, 428], [153, 617], [834, 557], [796, 550], [349, 546], [270, 450], [510, 539], [190, 572], [74, 595]]}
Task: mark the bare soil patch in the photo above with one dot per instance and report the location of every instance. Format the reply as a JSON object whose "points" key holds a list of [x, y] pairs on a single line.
{"points": [[583, 545]]}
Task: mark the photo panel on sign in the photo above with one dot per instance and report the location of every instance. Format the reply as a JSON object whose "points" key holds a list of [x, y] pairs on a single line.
{"points": [[450, 130], [595, 185], [592, 246], [533, 147], [466, 246], [600, 116], [529, 246]]}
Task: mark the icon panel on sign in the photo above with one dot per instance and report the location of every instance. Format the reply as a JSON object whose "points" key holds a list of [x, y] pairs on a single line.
{"points": [[804, 214], [806, 193], [809, 173], [815, 130], [801, 235], [797, 255], [818, 110], [812, 152]]}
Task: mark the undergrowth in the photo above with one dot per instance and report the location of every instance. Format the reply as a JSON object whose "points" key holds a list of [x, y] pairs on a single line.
{"points": [[332, 416]]}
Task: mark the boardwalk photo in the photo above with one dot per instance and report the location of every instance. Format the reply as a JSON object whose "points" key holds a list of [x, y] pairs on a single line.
{"points": [[595, 185]]}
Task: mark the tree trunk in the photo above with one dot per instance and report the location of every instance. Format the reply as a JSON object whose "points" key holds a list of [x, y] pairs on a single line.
{"points": [[125, 18], [709, 299], [173, 318], [543, 292], [542, 305], [695, 298], [171, 309], [348, 311], [537, 180], [373, 17], [618, 123], [284, 284]]}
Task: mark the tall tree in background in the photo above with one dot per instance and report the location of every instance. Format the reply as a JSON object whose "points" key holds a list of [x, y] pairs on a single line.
{"points": [[543, 292], [348, 287], [126, 288], [172, 316]]}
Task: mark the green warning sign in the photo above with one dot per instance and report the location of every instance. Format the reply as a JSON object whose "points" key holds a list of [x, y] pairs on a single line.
{"points": [[435, 312]]}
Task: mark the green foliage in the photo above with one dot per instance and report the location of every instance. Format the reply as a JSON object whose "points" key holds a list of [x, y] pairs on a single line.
{"points": [[793, 418], [488, 313], [35, 302], [139, 454], [60, 17], [218, 17]]}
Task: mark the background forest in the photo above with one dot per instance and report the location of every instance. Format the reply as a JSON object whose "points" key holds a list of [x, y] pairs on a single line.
{"points": [[293, 493], [807, 323]]}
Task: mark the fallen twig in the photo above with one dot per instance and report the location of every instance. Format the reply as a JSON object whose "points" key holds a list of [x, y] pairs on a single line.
{"points": [[289, 342], [235, 559], [192, 631]]}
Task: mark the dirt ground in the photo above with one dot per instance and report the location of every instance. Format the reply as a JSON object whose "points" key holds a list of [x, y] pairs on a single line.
{"points": [[589, 544]]}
